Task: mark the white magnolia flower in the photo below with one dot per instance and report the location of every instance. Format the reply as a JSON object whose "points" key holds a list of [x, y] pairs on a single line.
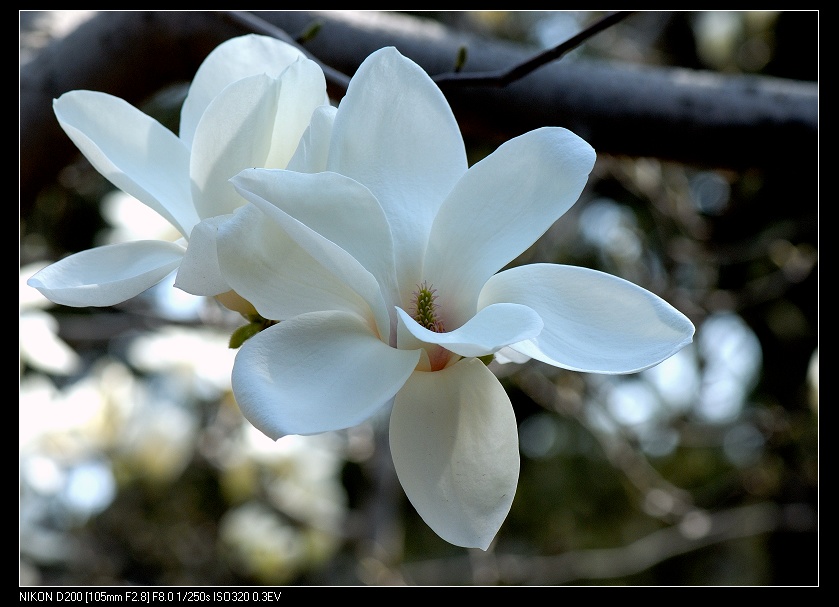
{"points": [[249, 103], [383, 269]]}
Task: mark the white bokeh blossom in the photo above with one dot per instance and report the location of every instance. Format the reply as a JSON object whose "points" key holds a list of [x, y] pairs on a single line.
{"points": [[381, 254], [249, 103]]}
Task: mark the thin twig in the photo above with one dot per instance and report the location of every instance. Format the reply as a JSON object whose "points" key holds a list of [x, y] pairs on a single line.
{"points": [[502, 78], [703, 530]]}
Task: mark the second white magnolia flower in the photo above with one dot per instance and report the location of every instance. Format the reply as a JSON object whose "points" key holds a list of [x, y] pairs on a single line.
{"points": [[249, 103]]}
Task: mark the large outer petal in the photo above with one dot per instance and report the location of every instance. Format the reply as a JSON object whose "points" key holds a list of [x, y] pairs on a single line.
{"points": [[336, 207], [396, 134], [594, 321], [267, 267], [340, 263], [488, 331], [454, 441], [132, 150], [107, 275], [315, 373], [230, 61], [500, 207]]}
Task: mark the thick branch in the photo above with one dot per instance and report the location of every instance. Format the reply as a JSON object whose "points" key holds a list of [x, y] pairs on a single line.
{"points": [[682, 115], [678, 114]]}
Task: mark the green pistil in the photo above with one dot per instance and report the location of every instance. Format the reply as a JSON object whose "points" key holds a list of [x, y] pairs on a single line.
{"points": [[425, 310]]}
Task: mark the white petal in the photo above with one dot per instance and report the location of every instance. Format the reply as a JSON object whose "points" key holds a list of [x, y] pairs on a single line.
{"points": [[199, 272], [454, 442], [234, 134], [334, 206], [132, 150], [265, 266], [107, 275], [508, 355], [488, 331], [313, 151], [315, 373], [396, 134], [302, 90], [230, 61], [594, 321], [502, 205], [334, 259]]}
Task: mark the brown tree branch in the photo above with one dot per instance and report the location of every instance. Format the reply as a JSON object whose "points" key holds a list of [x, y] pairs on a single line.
{"points": [[677, 114]]}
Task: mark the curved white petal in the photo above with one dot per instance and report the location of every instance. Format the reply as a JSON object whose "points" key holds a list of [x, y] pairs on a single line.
{"points": [[230, 61], [594, 322], [268, 268], [233, 134], [454, 442], [302, 89], [395, 133], [502, 205], [199, 272], [107, 275], [336, 207], [315, 373], [333, 259], [313, 151], [488, 331], [132, 150]]}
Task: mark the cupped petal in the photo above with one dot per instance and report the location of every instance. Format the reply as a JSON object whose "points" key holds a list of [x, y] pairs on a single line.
{"points": [[594, 322], [454, 441], [491, 329], [230, 61], [132, 150], [199, 272], [316, 373], [268, 268], [302, 90], [336, 207], [396, 134], [312, 152], [502, 205], [107, 275], [342, 265], [234, 133]]}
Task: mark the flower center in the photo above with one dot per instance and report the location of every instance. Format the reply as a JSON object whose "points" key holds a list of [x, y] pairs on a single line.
{"points": [[425, 310]]}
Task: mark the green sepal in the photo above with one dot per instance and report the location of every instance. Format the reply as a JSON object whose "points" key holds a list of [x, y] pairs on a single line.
{"points": [[310, 32], [486, 359], [460, 61], [244, 333]]}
